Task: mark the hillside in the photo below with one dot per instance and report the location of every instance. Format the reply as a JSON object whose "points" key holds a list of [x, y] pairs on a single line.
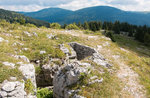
{"points": [[49, 14], [98, 13], [71, 63], [11, 16]]}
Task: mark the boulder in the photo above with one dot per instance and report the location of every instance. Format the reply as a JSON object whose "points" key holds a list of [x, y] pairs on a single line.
{"points": [[12, 90], [28, 72], [67, 76], [81, 50]]}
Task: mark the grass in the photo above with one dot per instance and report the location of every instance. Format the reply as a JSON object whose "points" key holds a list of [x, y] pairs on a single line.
{"points": [[44, 93], [137, 57], [29, 87], [6, 73]]}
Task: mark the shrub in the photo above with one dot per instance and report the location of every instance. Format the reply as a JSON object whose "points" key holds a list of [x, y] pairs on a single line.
{"points": [[72, 26], [44, 93], [110, 35], [55, 26]]}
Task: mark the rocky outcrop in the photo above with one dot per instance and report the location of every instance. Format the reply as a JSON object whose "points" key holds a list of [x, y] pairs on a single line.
{"points": [[16, 89], [82, 50], [12, 90], [28, 72], [100, 60], [67, 76], [45, 78]]}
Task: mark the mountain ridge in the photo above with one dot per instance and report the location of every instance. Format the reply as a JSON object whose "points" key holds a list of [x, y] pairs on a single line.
{"points": [[96, 13]]}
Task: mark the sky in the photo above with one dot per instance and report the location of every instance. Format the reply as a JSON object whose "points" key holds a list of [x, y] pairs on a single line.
{"points": [[35, 5]]}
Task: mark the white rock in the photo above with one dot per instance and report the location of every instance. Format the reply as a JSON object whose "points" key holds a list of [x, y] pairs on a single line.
{"points": [[28, 72], [99, 47], [124, 50], [3, 94], [17, 37], [13, 78], [1, 39], [27, 33], [96, 81], [94, 77], [50, 36], [10, 86], [78, 96], [35, 34], [9, 64], [67, 76], [13, 90], [42, 52], [24, 58], [25, 49], [106, 44]]}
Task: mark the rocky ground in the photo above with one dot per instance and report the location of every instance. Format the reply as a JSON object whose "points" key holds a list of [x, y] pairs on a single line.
{"points": [[69, 62]]}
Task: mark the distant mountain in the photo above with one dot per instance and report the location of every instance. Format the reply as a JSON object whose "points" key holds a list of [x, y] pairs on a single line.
{"points": [[98, 13], [50, 14], [13, 16]]}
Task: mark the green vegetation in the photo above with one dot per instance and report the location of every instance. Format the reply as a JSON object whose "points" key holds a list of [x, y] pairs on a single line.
{"points": [[14, 17], [72, 26], [29, 87], [44, 93], [55, 26], [6, 72]]}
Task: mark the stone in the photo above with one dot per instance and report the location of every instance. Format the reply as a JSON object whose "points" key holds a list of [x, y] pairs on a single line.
{"points": [[99, 47], [106, 44], [78, 96], [1, 39], [12, 90], [10, 86], [24, 58], [96, 81], [46, 77], [42, 52], [35, 34], [25, 49], [51, 36], [81, 50], [27, 33], [94, 77], [67, 76], [100, 60], [12, 65], [13, 78], [28, 72]]}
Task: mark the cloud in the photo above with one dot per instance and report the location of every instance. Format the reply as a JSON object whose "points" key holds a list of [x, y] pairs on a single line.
{"points": [[78, 4], [34, 5]]}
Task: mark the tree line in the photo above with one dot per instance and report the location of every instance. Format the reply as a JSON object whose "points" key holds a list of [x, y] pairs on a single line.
{"points": [[140, 33]]}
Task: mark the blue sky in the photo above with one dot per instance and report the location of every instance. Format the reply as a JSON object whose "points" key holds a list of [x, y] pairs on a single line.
{"points": [[34, 5]]}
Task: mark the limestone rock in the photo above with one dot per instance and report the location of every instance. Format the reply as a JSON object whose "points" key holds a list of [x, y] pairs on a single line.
{"points": [[35, 34], [46, 77], [100, 60], [82, 51], [42, 52], [51, 36], [27, 33], [28, 72], [67, 76], [12, 65], [12, 90], [24, 58], [1, 39]]}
